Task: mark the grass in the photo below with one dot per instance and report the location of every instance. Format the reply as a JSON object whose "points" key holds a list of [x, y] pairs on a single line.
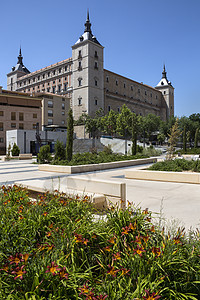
{"points": [[52, 248], [177, 165]]}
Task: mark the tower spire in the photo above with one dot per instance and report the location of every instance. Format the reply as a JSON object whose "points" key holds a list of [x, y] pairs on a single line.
{"points": [[20, 57], [88, 24], [164, 73]]}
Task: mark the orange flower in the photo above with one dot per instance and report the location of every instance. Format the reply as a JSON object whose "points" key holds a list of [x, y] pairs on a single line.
{"points": [[117, 256], [53, 268], [125, 271], [45, 213], [15, 259], [19, 272], [132, 227], [107, 248], [125, 230], [139, 250], [25, 257], [156, 251], [145, 212], [112, 271], [63, 274], [112, 240]]}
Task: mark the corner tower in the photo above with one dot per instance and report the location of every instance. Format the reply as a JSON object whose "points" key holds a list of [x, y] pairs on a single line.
{"points": [[18, 71], [88, 76], [167, 90]]}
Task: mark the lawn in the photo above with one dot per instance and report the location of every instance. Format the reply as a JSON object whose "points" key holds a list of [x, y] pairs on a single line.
{"points": [[54, 248]]}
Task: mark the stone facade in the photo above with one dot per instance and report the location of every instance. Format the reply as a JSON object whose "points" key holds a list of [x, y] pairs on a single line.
{"points": [[89, 86]]}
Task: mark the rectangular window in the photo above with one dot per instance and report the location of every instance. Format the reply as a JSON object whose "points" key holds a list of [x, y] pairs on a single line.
{"points": [[95, 101], [79, 54], [34, 126], [21, 116], [145, 93], [43, 75], [21, 126], [80, 101], [107, 79], [39, 77], [131, 88], [116, 82], [65, 68], [63, 122], [1, 113], [95, 54], [50, 113], [59, 88], [53, 89], [13, 125], [63, 105], [95, 82], [34, 116], [124, 85], [79, 82], [13, 116], [50, 104], [54, 72], [34, 79], [65, 86], [138, 91], [63, 113], [1, 126], [118, 109], [96, 65], [50, 121], [1, 140], [48, 74], [60, 70], [108, 107]]}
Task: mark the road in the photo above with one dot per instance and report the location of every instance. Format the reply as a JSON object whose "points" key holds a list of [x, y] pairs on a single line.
{"points": [[178, 203]]}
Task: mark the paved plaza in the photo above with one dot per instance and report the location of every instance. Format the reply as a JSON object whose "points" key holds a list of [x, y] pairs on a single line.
{"points": [[175, 201]]}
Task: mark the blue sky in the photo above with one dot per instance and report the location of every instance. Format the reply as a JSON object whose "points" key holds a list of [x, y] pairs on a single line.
{"points": [[138, 36]]}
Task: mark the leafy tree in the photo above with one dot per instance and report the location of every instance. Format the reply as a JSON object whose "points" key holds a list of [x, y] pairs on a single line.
{"points": [[161, 138], [44, 155], [196, 138], [109, 122], [15, 150], [134, 133], [124, 121], [70, 133], [59, 151], [184, 140], [173, 139]]}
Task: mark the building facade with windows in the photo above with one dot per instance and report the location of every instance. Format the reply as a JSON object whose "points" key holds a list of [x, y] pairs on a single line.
{"points": [[17, 111], [83, 79]]}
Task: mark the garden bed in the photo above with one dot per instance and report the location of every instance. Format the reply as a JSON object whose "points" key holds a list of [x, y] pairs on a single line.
{"points": [[54, 248], [95, 167]]}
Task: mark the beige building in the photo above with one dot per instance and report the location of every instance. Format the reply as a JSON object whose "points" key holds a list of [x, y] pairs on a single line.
{"points": [[83, 79], [17, 111]]}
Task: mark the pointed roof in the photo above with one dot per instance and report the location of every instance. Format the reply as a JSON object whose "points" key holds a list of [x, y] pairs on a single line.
{"points": [[87, 35], [164, 81], [20, 66]]}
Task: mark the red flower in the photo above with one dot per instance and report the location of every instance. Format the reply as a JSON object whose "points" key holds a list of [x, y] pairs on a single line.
{"points": [[62, 273], [15, 259], [125, 230], [19, 272], [151, 296], [112, 271], [53, 268]]}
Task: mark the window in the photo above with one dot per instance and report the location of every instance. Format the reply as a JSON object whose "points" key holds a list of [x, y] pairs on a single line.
{"points": [[1, 140], [65, 68], [53, 89], [21, 126], [107, 79], [116, 82], [124, 85], [13, 116], [1, 113], [79, 66], [164, 92], [118, 109], [43, 75], [54, 72], [79, 54], [95, 101], [108, 107], [138, 91], [79, 82], [96, 65], [21, 116], [50, 113], [48, 90], [33, 79], [25, 82], [65, 86], [54, 82], [63, 99], [38, 77], [59, 88], [156, 97], [59, 80], [34, 116], [59, 70], [151, 95], [1, 126], [131, 88], [63, 105], [50, 104], [48, 74], [145, 93], [29, 81], [63, 122], [13, 125], [79, 101], [95, 82], [50, 121], [63, 113], [95, 54], [34, 126]]}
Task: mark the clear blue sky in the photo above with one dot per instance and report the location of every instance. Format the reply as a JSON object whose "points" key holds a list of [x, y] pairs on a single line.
{"points": [[138, 36]]}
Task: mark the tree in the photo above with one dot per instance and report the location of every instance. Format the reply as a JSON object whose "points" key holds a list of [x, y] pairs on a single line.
{"points": [[184, 140], [134, 133], [44, 156], [59, 151], [196, 138], [15, 150], [124, 121], [173, 139], [109, 122], [70, 133]]}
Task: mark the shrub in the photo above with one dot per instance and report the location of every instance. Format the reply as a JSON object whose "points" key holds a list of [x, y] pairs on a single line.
{"points": [[15, 150], [177, 165], [60, 153], [107, 149], [44, 156]]}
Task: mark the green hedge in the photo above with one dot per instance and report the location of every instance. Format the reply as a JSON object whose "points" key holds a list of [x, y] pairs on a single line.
{"points": [[177, 165]]}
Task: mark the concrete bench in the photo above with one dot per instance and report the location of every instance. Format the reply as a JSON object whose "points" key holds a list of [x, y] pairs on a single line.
{"points": [[101, 192], [25, 156]]}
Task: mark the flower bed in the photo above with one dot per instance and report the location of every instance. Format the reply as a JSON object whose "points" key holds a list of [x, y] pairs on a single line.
{"points": [[52, 248]]}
